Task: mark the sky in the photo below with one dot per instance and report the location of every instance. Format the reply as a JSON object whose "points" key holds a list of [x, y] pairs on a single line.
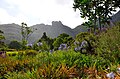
{"points": [[39, 11]]}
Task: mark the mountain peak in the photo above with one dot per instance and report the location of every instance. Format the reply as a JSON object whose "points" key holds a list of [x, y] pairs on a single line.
{"points": [[57, 23]]}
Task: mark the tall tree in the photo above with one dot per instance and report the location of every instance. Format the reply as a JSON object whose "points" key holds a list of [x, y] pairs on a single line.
{"points": [[46, 42], [25, 32], [97, 11]]}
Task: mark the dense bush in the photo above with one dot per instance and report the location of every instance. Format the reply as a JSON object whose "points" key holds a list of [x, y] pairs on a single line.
{"points": [[85, 43], [62, 39], [109, 44], [15, 45]]}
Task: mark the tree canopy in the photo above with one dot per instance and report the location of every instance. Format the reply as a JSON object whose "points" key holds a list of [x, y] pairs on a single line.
{"points": [[46, 42], [96, 10]]}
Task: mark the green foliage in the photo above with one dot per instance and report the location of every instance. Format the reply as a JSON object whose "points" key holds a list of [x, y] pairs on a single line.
{"points": [[57, 43], [45, 47], [96, 10], [61, 64], [62, 38], [46, 43], [12, 53], [67, 63], [85, 35], [90, 39], [109, 44], [2, 45], [15, 45], [44, 37], [24, 43], [25, 32], [1, 36], [30, 52]]}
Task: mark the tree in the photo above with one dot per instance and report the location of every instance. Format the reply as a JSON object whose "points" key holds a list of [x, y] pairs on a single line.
{"points": [[47, 43], [97, 11], [26, 33], [15, 45], [44, 37]]}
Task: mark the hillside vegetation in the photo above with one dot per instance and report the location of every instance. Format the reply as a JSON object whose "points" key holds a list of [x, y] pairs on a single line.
{"points": [[65, 64]]}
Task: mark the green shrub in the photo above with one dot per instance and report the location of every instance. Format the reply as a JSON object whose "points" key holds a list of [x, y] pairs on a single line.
{"points": [[91, 42], [15, 45], [62, 38], [21, 53], [30, 52], [108, 44]]}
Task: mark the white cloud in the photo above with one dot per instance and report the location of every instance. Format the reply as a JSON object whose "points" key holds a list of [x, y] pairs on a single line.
{"points": [[5, 17], [63, 2], [41, 11]]}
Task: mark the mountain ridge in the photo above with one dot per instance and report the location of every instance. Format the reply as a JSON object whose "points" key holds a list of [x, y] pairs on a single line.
{"points": [[13, 32]]}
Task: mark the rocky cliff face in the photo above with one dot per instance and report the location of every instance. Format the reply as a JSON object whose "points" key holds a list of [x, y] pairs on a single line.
{"points": [[51, 30]]}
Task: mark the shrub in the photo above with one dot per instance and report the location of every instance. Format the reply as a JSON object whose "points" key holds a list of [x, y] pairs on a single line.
{"points": [[85, 42], [15, 45], [62, 38], [30, 52], [109, 44]]}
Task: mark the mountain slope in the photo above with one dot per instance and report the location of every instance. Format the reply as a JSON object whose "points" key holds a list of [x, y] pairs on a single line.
{"points": [[11, 32], [79, 28], [51, 30], [116, 17]]}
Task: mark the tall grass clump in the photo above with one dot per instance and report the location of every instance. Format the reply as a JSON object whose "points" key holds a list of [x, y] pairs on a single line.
{"points": [[108, 45]]}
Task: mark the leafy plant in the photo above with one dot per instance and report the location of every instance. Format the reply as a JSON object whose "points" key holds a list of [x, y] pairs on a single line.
{"points": [[30, 52]]}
